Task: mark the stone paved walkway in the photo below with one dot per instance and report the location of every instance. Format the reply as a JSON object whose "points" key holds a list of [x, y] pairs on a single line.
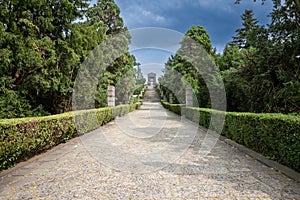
{"points": [[148, 154]]}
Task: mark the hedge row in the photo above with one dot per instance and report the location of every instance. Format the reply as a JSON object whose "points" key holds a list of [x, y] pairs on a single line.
{"points": [[176, 108], [276, 136], [23, 138]]}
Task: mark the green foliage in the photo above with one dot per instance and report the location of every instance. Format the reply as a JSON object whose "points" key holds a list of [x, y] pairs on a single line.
{"points": [[176, 108], [13, 104], [107, 12], [199, 35], [246, 36], [126, 83], [232, 57], [38, 57], [138, 89], [275, 136], [135, 106], [192, 65], [263, 75], [23, 138], [42, 45], [139, 78], [172, 82]]}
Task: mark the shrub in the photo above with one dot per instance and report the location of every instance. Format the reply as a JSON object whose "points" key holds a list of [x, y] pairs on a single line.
{"points": [[176, 108], [276, 136], [23, 138]]}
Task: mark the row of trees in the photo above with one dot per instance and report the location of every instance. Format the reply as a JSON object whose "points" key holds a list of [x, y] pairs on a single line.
{"points": [[260, 67], [42, 46]]}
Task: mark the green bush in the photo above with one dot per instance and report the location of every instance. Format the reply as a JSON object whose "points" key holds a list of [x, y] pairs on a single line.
{"points": [[23, 138], [138, 90], [135, 106], [276, 136], [176, 108]]}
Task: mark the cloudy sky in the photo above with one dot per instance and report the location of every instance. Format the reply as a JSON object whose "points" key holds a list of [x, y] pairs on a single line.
{"points": [[219, 17]]}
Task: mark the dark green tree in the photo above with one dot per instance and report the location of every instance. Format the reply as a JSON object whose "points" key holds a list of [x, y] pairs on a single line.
{"points": [[38, 57], [232, 57], [193, 64], [107, 12], [270, 77], [246, 36], [199, 35], [42, 45]]}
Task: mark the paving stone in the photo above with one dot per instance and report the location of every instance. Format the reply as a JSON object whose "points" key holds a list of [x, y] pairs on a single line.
{"points": [[199, 180], [26, 195], [185, 191], [221, 191], [151, 191], [5, 191]]}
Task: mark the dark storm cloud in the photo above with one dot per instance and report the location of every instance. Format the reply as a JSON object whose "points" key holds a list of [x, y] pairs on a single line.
{"points": [[220, 17]]}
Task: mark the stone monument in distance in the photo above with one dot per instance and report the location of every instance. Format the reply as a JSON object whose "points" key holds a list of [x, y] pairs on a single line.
{"points": [[151, 79]]}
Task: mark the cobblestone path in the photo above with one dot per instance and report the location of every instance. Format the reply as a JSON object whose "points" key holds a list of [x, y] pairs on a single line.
{"points": [[148, 154]]}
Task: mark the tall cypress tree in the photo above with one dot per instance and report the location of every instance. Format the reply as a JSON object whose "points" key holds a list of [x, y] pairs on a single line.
{"points": [[246, 36]]}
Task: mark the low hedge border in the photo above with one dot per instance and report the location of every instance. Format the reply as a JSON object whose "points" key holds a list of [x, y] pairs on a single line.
{"points": [[22, 138], [275, 136]]}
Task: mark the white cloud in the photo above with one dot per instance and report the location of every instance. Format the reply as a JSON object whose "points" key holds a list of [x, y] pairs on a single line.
{"points": [[223, 5], [136, 15], [152, 16], [157, 5], [166, 5]]}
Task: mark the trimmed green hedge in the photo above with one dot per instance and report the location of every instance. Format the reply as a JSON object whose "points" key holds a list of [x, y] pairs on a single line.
{"points": [[176, 108], [23, 138], [276, 136]]}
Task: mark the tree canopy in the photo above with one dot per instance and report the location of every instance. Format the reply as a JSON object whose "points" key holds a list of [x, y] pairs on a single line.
{"points": [[267, 79], [43, 43], [193, 65], [260, 66]]}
